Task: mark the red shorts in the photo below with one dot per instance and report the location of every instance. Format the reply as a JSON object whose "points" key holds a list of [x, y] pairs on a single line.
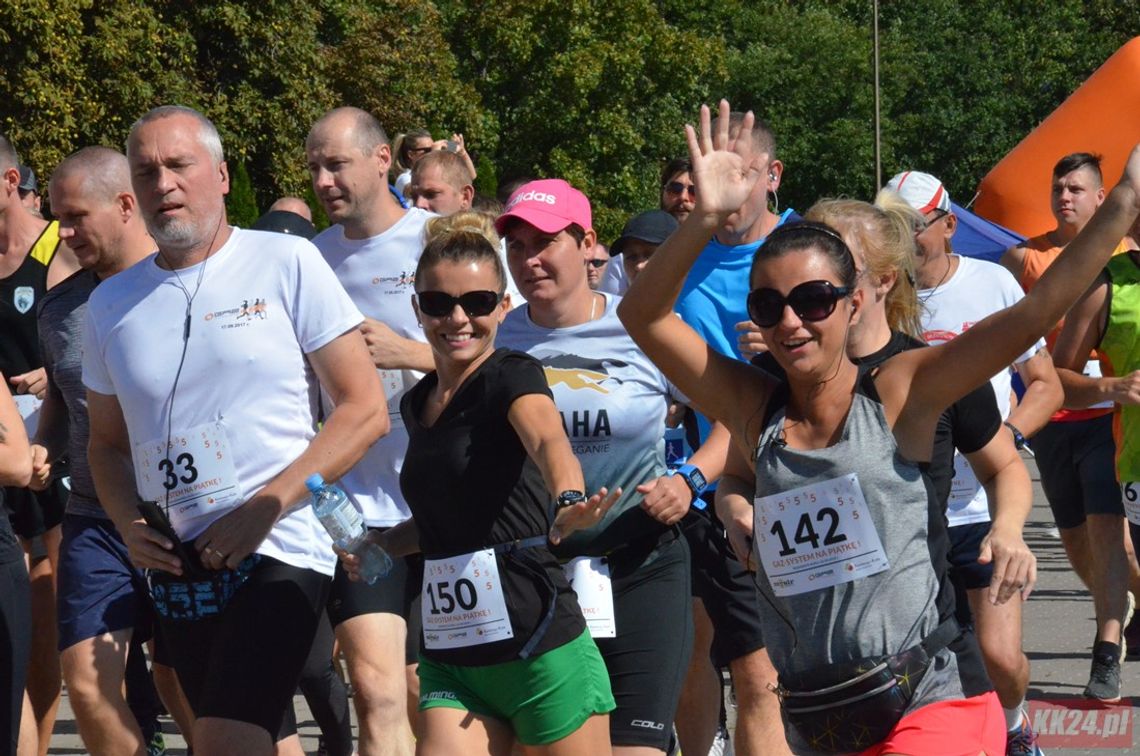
{"points": [[962, 727]]}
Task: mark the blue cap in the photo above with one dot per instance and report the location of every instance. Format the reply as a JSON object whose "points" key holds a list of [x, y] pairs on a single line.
{"points": [[314, 482]]}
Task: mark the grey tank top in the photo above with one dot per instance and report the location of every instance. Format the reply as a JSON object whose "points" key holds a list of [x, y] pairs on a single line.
{"points": [[879, 614]]}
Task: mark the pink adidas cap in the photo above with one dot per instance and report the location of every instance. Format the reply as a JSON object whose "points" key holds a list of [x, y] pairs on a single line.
{"points": [[921, 191], [550, 205]]}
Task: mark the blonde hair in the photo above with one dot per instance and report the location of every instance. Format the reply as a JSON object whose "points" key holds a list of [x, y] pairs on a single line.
{"points": [[463, 237], [884, 238]]}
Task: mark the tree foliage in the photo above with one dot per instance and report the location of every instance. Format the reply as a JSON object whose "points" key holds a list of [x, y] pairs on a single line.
{"points": [[593, 91]]}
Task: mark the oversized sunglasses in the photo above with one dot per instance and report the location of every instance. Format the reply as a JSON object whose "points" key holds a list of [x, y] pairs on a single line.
{"points": [[440, 304], [811, 301]]}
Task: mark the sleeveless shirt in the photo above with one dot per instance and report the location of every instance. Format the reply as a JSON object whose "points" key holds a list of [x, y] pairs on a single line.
{"points": [[882, 613]]}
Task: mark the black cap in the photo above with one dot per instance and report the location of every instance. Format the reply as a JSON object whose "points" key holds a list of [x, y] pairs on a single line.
{"points": [[285, 222], [28, 180], [652, 226]]}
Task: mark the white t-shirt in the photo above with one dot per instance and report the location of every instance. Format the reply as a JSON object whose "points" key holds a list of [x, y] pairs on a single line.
{"points": [[977, 289], [379, 274], [614, 278], [246, 393]]}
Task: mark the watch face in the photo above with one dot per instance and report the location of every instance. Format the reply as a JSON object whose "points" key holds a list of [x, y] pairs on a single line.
{"points": [[698, 478], [570, 498]]}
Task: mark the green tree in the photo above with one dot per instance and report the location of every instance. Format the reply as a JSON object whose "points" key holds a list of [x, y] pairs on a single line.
{"points": [[593, 92], [241, 204]]}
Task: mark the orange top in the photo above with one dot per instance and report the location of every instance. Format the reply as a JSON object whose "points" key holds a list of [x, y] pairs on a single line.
{"points": [[1040, 253]]}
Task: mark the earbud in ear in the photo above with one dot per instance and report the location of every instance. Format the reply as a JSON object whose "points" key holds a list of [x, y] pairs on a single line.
{"points": [[771, 175]]}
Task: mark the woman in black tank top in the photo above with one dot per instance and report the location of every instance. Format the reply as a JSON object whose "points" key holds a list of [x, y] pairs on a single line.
{"points": [[805, 300]]}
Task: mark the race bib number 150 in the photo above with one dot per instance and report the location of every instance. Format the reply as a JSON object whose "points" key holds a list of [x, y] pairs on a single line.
{"points": [[462, 602]]}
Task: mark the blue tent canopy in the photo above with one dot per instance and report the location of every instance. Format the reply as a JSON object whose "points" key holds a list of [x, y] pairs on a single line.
{"points": [[978, 237]]}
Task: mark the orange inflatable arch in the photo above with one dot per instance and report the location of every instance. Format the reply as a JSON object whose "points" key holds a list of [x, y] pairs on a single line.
{"points": [[1102, 116]]}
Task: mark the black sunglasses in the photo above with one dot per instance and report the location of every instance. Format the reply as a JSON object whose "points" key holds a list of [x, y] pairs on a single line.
{"points": [[440, 304], [811, 301], [599, 263], [676, 187]]}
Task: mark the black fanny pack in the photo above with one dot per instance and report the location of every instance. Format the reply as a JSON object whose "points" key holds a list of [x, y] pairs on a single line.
{"points": [[851, 706], [200, 593]]}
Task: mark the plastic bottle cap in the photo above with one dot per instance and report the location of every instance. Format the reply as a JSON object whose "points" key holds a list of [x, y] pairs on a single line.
{"points": [[314, 482]]}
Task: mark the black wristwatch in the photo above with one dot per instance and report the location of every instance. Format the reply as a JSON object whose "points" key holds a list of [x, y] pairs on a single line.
{"points": [[1018, 439], [568, 499], [693, 478]]}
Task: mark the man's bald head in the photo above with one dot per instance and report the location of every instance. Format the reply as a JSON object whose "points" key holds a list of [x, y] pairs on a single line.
{"points": [[366, 131], [104, 172], [293, 205]]}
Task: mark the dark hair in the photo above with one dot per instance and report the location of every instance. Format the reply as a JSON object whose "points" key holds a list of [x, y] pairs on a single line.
{"points": [[804, 235], [510, 186], [1075, 160], [577, 233], [763, 139], [404, 145], [485, 204], [462, 237], [674, 167]]}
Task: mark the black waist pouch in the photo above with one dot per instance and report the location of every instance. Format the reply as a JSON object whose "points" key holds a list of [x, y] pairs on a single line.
{"points": [[198, 594], [851, 706]]}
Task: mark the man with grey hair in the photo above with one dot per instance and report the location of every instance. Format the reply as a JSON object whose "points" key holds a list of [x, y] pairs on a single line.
{"points": [[202, 365], [102, 598], [31, 261], [373, 248]]}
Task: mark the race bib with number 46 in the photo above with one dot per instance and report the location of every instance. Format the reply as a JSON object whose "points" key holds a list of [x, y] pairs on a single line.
{"points": [[817, 536], [195, 470]]}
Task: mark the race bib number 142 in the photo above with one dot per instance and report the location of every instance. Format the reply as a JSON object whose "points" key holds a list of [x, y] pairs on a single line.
{"points": [[817, 536]]}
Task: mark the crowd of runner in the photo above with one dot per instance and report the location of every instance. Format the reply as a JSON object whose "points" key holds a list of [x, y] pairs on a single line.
{"points": [[733, 439]]}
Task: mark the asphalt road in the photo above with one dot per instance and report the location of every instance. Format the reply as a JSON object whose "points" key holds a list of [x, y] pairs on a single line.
{"points": [[1058, 633]]}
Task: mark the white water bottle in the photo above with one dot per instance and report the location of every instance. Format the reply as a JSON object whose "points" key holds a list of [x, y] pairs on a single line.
{"points": [[345, 526]]}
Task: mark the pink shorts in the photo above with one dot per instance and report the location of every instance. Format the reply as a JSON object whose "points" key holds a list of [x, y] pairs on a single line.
{"points": [[962, 727]]}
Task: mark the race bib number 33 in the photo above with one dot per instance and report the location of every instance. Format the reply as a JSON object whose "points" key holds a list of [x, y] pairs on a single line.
{"points": [[817, 536], [462, 603], [195, 470]]}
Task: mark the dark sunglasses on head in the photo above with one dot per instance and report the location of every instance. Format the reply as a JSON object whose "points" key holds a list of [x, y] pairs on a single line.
{"points": [[599, 263], [676, 187], [476, 304], [811, 301]]}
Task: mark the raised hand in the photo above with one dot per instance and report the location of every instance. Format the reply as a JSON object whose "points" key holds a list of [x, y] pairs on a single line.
{"points": [[725, 168], [582, 515]]}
